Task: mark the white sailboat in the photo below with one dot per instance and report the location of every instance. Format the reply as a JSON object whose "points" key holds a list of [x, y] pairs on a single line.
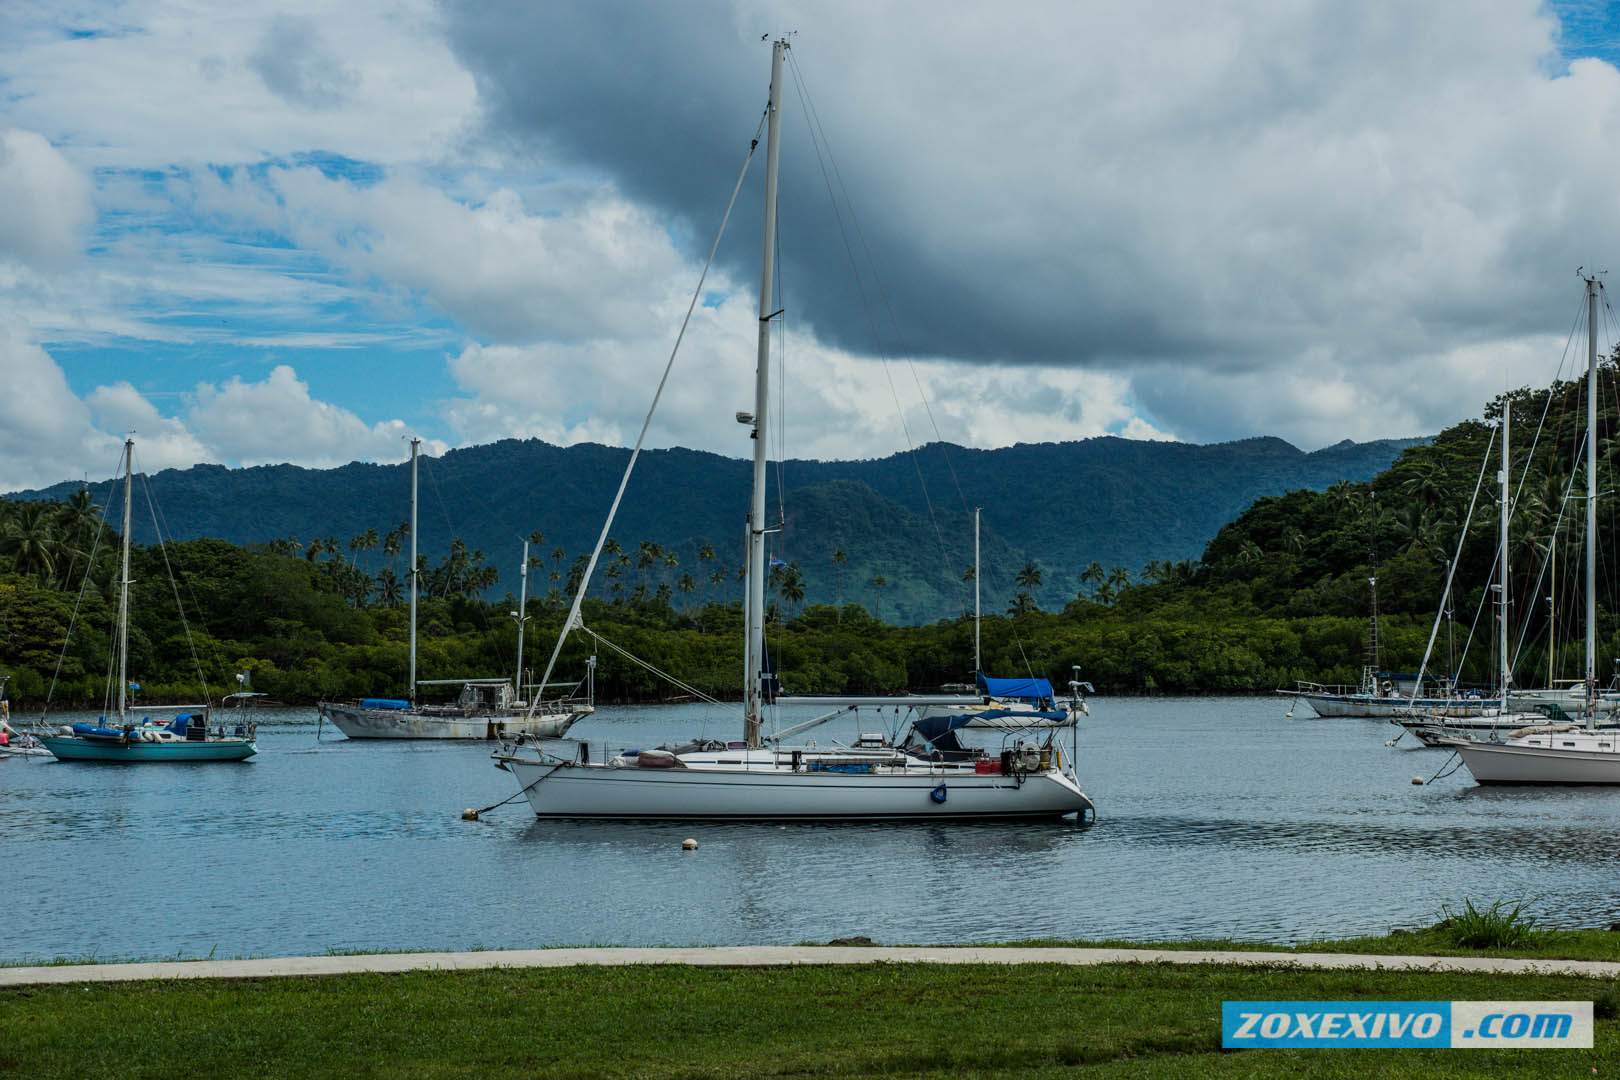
{"points": [[1562, 754], [759, 779], [1008, 704], [485, 708]]}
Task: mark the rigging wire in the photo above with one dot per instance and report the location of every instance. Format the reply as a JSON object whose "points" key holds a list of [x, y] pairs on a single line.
{"points": [[73, 617], [823, 157], [666, 676], [596, 552], [174, 586], [1564, 360]]}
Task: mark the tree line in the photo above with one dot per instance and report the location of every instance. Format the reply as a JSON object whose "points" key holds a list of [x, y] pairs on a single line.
{"points": [[1282, 593]]}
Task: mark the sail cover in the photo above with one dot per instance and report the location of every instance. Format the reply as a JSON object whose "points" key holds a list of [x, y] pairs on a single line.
{"points": [[1021, 689]]}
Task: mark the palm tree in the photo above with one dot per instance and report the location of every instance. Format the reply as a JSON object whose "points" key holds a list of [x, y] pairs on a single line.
{"points": [[611, 548], [649, 556], [78, 520], [1093, 576], [879, 583], [792, 588], [1427, 484], [30, 540], [1342, 495], [687, 587], [1029, 578], [705, 555], [557, 557], [390, 546], [390, 592], [839, 561]]}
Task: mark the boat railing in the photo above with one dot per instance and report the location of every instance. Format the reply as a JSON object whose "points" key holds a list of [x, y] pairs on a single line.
{"points": [[1302, 686]]}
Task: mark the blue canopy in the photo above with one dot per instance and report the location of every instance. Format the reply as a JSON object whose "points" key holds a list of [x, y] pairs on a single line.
{"points": [[1021, 689], [935, 728]]}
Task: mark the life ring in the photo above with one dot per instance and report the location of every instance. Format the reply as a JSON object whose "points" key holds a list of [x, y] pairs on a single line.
{"points": [[1388, 688]]}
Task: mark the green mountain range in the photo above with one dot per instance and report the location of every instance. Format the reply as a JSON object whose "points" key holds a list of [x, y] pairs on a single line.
{"points": [[906, 519]]}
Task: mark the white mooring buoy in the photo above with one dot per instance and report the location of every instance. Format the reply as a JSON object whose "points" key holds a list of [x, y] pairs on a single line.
{"points": [[1418, 780], [689, 844], [469, 814]]}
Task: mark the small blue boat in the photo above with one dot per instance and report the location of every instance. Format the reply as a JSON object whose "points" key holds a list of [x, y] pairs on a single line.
{"points": [[186, 736]]}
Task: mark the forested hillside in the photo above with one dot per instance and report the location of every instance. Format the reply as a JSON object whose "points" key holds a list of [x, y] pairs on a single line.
{"points": [[903, 524], [1280, 593]]}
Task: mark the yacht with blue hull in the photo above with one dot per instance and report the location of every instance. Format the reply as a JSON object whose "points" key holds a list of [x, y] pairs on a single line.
{"points": [[188, 737], [129, 736]]}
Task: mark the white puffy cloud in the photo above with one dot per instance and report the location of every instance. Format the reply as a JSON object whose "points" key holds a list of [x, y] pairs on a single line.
{"points": [[825, 403], [46, 433], [163, 442], [504, 271], [59, 436], [150, 83], [46, 200], [274, 421]]}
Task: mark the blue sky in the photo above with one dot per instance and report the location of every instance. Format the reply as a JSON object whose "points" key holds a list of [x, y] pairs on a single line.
{"points": [[294, 234]]}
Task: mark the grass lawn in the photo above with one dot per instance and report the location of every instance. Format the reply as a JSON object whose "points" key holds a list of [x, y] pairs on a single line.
{"points": [[1504, 935], [892, 1020]]}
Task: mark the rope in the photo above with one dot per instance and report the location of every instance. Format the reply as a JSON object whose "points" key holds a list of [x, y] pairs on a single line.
{"points": [[1445, 772], [522, 791]]}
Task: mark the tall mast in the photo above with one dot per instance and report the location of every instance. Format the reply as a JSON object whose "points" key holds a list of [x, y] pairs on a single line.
{"points": [[754, 624], [1502, 585], [522, 617], [1591, 498], [123, 585], [415, 443], [977, 663], [1375, 660]]}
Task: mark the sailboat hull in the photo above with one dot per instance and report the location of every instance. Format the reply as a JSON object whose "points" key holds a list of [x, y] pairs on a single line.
{"points": [[1368, 705], [74, 748], [358, 723], [600, 792], [1507, 763]]}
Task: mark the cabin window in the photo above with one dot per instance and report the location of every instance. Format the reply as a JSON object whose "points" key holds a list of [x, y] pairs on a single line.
{"points": [[1569, 744]]}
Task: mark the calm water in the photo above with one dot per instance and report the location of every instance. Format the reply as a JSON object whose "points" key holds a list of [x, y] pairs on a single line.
{"points": [[1217, 817]]}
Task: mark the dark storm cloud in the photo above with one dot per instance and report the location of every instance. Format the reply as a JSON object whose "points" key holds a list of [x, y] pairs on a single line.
{"points": [[1250, 212], [663, 98]]}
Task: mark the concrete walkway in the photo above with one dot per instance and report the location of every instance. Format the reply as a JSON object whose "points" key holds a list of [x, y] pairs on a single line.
{"points": [[770, 956]]}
